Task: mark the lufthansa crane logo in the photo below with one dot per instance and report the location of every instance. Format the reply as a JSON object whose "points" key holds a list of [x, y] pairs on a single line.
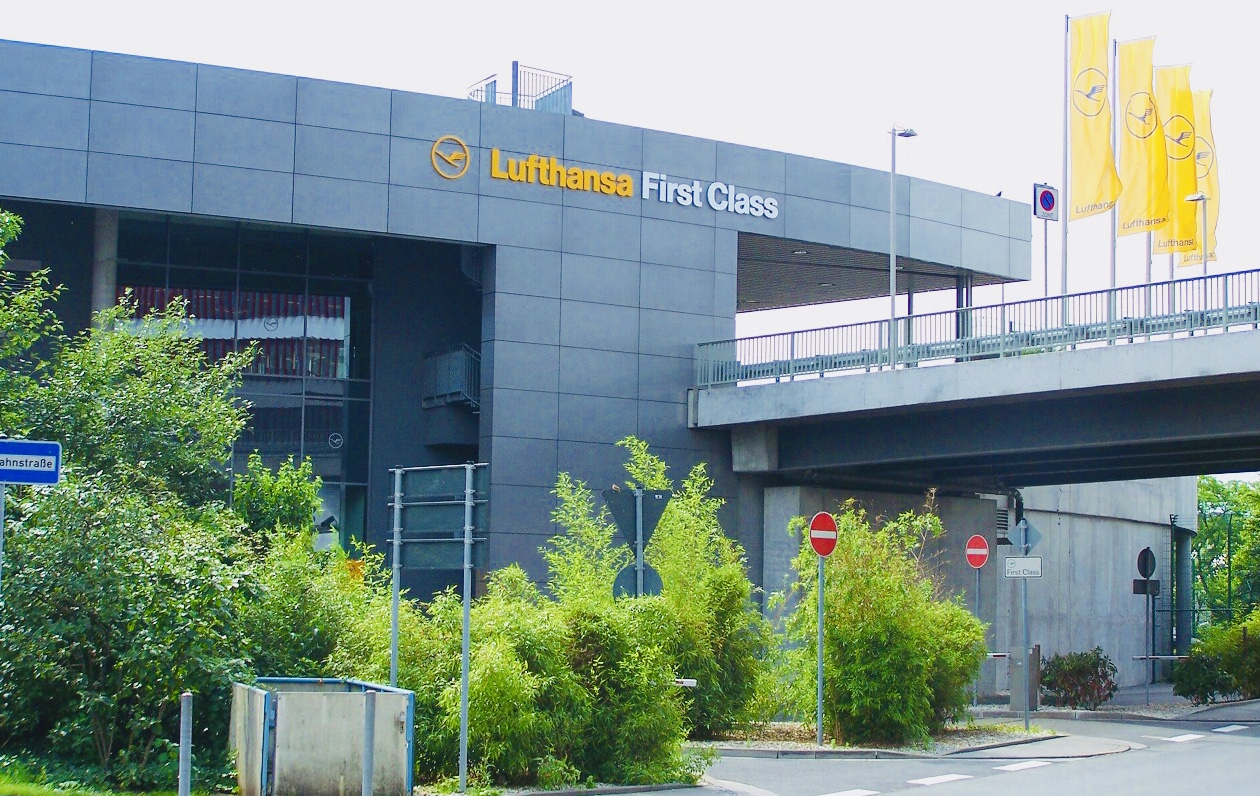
{"points": [[1089, 91], [1180, 134], [450, 157], [1140, 117], [1204, 158]]}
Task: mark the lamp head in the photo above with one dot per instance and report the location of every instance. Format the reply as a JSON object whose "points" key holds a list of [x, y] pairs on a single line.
{"points": [[1197, 197], [907, 133]]}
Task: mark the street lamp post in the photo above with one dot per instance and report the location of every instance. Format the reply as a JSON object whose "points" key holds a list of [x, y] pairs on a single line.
{"points": [[894, 134], [1202, 199]]}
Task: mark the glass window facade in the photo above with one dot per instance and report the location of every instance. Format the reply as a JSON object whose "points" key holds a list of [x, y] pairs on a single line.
{"points": [[301, 299]]}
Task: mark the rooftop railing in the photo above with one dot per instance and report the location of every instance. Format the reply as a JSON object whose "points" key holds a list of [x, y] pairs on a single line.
{"points": [[1118, 316]]}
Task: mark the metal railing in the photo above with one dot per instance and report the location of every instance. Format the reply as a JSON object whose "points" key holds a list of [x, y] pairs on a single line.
{"points": [[452, 376], [1115, 316]]}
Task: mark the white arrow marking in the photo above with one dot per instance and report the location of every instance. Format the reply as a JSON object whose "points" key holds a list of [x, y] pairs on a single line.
{"points": [[1176, 738], [1232, 728], [854, 792]]}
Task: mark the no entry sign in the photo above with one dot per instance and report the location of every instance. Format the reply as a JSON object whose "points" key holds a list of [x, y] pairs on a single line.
{"points": [[977, 551], [822, 533]]}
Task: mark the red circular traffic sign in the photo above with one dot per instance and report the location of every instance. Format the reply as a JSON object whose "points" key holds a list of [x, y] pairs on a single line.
{"points": [[977, 551], [822, 533]]}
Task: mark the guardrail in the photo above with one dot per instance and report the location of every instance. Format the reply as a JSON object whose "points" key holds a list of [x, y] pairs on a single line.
{"points": [[1122, 315]]}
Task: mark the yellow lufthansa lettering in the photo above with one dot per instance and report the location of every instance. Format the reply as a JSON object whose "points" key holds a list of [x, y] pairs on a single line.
{"points": [[549, 171]]}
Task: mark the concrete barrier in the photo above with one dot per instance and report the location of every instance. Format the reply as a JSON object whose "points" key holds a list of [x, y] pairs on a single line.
{"points": [[304, 736]]}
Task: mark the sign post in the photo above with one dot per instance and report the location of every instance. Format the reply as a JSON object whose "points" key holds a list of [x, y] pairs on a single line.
{"points": [[25, 462], [977, 552], [636, 514], [1150, 588], [1022, 568], [822, 537]]}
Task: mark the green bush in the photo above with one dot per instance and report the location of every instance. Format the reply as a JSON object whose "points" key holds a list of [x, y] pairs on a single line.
{"points": [[1201, 678], [1220, 665], [898, 660], [1078, 679]]}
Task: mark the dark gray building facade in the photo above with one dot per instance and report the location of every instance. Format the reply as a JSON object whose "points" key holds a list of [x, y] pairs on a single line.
{"points": [[434, 280]]}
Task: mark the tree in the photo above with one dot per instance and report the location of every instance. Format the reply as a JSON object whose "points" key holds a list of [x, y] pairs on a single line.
{"points": [[1227, 546]]}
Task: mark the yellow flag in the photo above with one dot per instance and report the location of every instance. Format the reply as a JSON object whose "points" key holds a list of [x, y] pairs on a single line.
{"points": [[1205, 173], [1095, 184], [1143, 205], [1175, 102]]}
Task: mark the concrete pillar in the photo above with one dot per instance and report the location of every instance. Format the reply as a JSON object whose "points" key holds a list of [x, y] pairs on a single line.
{"points": [[105, 260], [1183, 588]]}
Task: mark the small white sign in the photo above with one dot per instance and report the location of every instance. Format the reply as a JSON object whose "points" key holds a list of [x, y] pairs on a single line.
{"points": [[1023, 566]]}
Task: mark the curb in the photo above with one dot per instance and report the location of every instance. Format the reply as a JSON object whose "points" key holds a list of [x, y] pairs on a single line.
{"points": [[1002, 744], [598, 790], [820, 754]]}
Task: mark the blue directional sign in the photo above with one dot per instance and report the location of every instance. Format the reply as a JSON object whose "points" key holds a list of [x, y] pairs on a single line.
{"points": [[29, 462]]}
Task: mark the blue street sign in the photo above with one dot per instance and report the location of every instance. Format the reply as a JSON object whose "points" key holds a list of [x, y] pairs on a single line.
{"points": [[28, 462]]}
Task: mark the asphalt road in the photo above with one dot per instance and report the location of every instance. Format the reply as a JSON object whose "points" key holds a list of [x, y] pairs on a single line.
{"points": [[1175, 757]]}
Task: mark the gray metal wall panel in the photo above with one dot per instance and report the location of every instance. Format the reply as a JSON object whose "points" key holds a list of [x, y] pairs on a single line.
{"points": [[242, 193], [678, 244], [145, 183], [761, 226], [935, 202], [586, 371], [479, 175], [665, 425], [989, 214], [43, 69], [933, 241], [664, 378], [430, 118], [43, 121], [600, 280], [869, 188], [252, 95], [725, 251], [527, 319], [522, 130], [133, 80], [600, 234], [589, 418], [868, 229], [522, 413], [327, 202], [247, 143], [981, 251], [432, 214], [672, 211], [817, 179], [724, 295], [526, 366], [1020, 261], [816, 221], [679, 156], [1020, 221], [591, 141], [664, 287], [599, 464], [529, 272], [324, 103], [752, 170], [517, 223], [140, 131], [602, 326], [520, 461], [43, 173], [672, 334], [343, 154], [410, 163]]}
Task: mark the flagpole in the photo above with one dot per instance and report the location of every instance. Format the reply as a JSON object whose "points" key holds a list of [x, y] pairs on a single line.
{"points": [[1115, 100], [1067, 193]]}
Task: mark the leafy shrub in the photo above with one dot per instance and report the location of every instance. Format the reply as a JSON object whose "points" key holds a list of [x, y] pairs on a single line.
{"points": [[1201, 678], [1078, 679], [897, 660], [1220, 665]]}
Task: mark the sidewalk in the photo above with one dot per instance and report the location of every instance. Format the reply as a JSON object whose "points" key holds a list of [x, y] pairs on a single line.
{"points": [[1132, 703]]}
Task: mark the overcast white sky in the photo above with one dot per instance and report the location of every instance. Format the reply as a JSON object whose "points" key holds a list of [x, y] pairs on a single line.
{"points": [[980, 80]]}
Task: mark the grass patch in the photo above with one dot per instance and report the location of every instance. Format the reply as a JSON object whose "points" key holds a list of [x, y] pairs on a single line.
{"points": [[31, 789]]}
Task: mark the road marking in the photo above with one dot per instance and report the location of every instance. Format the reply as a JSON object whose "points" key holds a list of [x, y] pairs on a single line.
{"points": [[1023, 766], [1232, 728], [1176, 738], [854, 792], [738, 788], [938, 780]]}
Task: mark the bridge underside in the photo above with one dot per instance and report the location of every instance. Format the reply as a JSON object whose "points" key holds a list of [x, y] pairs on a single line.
{"points": [[1180, 407], [1187, 430]]}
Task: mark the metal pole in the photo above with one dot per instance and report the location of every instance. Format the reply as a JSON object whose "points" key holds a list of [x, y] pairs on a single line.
{"points": [[1027, 643], [1067, 192], [3, 497], [638, 542], [1229, 564], [395, 579], [466, 644], [819, 710], [369, 740], [1045, 255], [1150, 644], [1204, 235], [185, 743], [975, 694], [892, 255]]}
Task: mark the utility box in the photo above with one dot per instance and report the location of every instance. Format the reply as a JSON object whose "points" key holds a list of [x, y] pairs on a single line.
{"points": [[293, 736], [1032, 664]]}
